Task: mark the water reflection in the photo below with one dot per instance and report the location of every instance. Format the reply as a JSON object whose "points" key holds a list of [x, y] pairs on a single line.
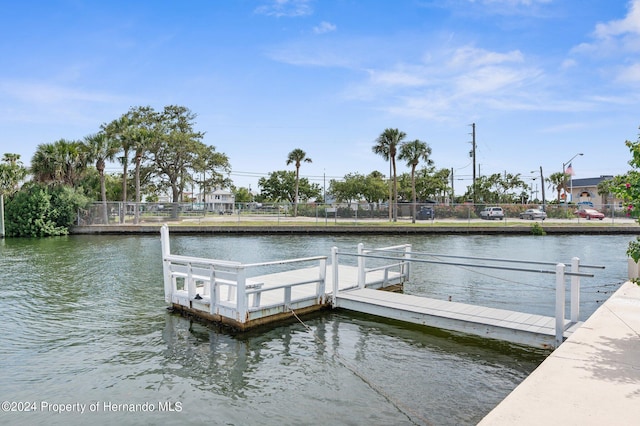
{"points": [[379, 367]]}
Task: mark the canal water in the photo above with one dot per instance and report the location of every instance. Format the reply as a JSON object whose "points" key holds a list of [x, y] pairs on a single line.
{"points": [[85, 331]]}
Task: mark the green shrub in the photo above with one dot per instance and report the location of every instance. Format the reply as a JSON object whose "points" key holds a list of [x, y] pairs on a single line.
{"points": [[536, 229], [41, 211]]}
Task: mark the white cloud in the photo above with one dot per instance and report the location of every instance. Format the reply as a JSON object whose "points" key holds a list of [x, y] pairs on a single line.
{"points": [[396, 78], [449, 84], [493, 80], [286, 8], [629, 74], [472, 57], [615, 47], [324, 27], [630, 24], [615, 37]]}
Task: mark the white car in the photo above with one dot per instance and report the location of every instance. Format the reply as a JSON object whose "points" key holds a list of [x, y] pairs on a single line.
{"points": [[533, 214], [490, 213]]}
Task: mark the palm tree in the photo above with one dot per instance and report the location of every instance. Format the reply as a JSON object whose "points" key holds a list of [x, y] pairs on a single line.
{"points": [[61, 162], [386, 146], [141, 139], [297, 156], [413, 152], [120, 129], [101, 148], [558, 182]]}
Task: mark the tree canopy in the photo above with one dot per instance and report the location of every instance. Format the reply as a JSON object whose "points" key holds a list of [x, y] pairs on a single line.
{"points": [[280, 186]]}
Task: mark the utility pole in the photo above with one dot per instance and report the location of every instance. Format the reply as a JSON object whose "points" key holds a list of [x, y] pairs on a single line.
{"points": [[453, 192], [473, 154], [544, 204]]}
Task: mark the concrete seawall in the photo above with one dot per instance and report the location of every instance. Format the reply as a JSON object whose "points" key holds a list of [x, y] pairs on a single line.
{"points": [[593, 378], [355, 229]]}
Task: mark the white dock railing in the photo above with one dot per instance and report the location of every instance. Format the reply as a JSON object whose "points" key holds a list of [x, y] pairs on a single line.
{"points": [[223, 285], [560, 272], [400, 265]]}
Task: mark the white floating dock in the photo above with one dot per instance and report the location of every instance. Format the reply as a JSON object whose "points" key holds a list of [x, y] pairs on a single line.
{"points": [[225, 292], [501, 324]]}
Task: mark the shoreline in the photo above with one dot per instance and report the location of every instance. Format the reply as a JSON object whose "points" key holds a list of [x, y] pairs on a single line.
{"points": [[399, 229]]}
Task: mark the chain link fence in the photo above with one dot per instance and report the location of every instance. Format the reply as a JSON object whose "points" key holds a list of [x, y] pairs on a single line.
{"points": [[119, 213]]}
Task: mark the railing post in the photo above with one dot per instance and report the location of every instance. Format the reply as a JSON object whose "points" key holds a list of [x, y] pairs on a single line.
{"points": [[166, 264], [321, 292], [241, 295], [406, 265], [334, 267], [559, 303], [361, 266], [191, 284], [214, 297], [575, 290]]}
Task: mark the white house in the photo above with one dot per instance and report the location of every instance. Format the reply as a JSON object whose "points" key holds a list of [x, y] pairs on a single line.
{"points": [[219, 200]]}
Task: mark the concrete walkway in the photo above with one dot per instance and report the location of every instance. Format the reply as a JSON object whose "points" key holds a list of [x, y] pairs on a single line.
{"points": [[593, 378]]}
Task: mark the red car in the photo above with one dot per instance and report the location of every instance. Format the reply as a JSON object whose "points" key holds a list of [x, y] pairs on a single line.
{"points": [[589, 214]]}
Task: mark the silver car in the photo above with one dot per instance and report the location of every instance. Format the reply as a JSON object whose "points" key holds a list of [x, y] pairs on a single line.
{"points": [[533, 214], [490, 213]]}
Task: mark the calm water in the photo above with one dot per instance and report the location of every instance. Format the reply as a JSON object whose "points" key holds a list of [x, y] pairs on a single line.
{"points": [[84, 322]]}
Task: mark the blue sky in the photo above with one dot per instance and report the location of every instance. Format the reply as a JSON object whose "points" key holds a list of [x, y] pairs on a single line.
{"points": [[542, 79]]}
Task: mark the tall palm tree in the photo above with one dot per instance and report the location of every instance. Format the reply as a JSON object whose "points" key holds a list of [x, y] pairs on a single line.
{"points": [[141, 140], [101, 148], [297, 156], [558, 181], [386, 146], [413, 152], [120, 129]]}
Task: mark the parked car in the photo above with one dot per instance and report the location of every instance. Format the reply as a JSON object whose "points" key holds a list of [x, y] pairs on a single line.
{"points": [[425, 213], [491, 213], [589, 214], [533, 214]]}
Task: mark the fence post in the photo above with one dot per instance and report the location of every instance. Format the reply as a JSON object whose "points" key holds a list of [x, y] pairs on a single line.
{"points": [[166, 264], [321, 292], [241, 295], [406, 266], [575, 290], [559, 303], [191, 283], [334, 266], [214, 298], [361, 266]]}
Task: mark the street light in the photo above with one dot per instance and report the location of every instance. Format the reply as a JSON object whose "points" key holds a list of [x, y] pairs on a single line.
{"points": [[564, 175], [542, 185]]}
